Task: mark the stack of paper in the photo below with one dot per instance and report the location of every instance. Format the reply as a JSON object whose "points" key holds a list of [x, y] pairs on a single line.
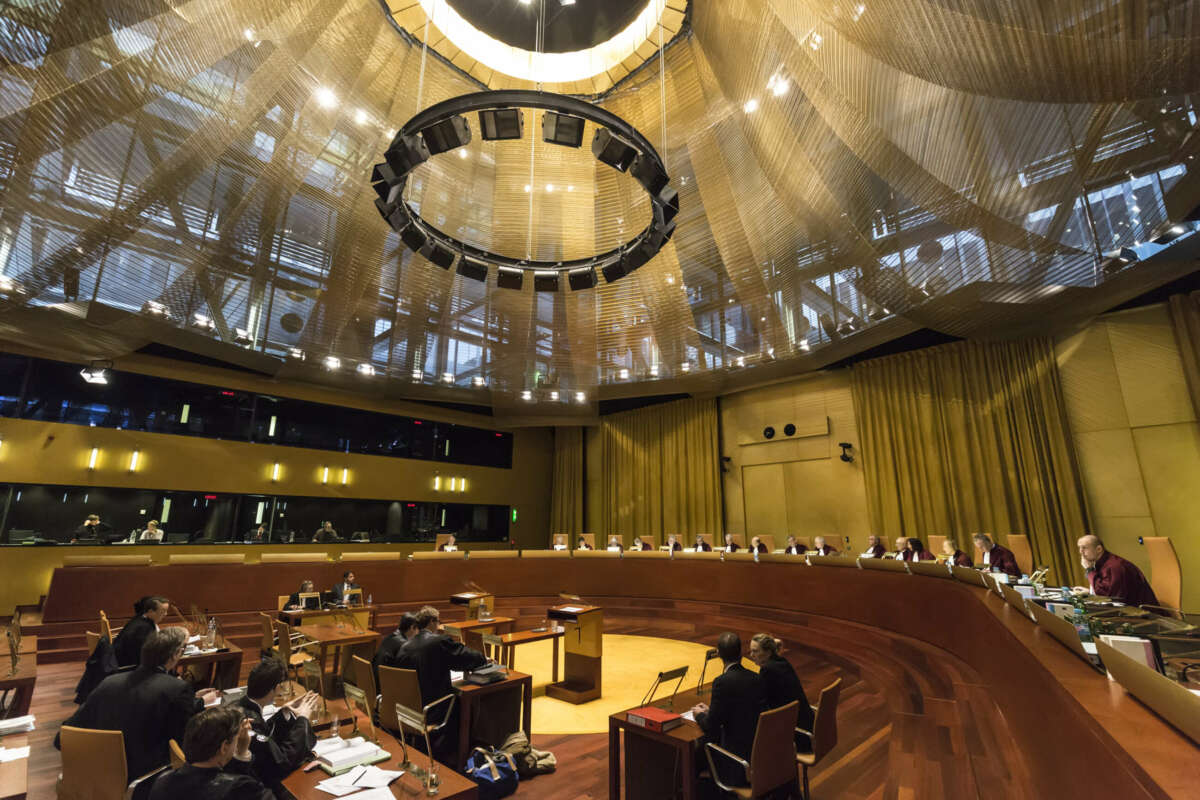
{"points": [[357, 779], [16, 725], [13, 753]]}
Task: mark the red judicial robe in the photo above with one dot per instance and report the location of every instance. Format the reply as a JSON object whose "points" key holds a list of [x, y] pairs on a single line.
{"points": [[1121, 580], [1001, 559], [877, 551], [924, 555], [961, 559], [905, 555], [824, 550]]}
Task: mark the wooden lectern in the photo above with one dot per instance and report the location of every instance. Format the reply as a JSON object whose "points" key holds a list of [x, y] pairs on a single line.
{"points": [[583, 646], [475, 602]]}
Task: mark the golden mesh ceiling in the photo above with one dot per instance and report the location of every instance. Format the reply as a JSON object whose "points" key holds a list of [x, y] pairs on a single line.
{"points": [[847, 172]]}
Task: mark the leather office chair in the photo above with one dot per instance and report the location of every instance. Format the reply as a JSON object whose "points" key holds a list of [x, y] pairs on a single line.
{"points": [[823, 737], [177, 757], [1166, 579], [1019, 544], [93, 766], [772, 761]]}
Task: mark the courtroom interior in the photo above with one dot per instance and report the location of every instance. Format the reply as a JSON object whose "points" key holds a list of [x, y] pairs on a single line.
{"points": [[599, 399]]}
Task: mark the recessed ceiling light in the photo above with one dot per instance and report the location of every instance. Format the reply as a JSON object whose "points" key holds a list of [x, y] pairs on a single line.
{"points": [[528, 188], [333, 362], [366, 369], [570, 188], [623, 374], [780, 87], [462, 152], [248, 33], [360, 116], [549, 187], [526, 395], [554, 395], [325, 97], [567, 2], [580, 397], [751, 106]]}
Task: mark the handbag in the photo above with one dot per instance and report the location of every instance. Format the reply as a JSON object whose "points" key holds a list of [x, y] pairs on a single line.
{"points": [[494, 772]]}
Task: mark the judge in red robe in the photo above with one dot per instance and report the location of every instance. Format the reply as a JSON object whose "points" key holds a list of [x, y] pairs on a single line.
{"points": [[917, 551], [955, 556], [756, 546], [730, 545], [821, 548], [794, 548], [1112, 576], [874, 549], [995, 557], [673, 544], [902, 551]]}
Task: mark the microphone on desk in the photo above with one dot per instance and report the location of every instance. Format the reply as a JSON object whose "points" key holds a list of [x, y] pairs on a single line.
{"points": [[709, 656]]}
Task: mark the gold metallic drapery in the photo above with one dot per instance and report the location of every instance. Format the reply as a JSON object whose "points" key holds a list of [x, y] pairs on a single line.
{"points": [[660, 471], [972, 437], [566, 494], [1185, 317]]}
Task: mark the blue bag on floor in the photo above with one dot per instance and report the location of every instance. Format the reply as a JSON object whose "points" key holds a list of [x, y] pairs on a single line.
{"points": [[495, 773]]}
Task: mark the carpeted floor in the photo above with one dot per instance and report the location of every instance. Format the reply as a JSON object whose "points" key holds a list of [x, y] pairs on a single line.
{"points": [[630, 666]]}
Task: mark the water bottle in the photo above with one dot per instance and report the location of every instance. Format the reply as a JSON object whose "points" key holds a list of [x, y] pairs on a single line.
{"points": [[370, 599], [212, 631]]}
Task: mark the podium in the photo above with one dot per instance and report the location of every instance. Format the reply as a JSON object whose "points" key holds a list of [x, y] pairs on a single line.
{"points": [[476, 602], [583, 646]]}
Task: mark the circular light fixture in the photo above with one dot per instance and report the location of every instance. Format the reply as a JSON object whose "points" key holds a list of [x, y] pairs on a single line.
{"points": [[442, 127]]}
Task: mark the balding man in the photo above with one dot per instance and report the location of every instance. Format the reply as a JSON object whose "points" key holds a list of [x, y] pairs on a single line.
{"points": [[902, 551], [995, 557], [1112, 576], [874, 547]]}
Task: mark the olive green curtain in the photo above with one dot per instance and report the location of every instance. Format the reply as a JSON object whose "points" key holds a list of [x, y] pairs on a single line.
{"points": [[566, 497], [968, 437], [660, 471], [1185, 316]]}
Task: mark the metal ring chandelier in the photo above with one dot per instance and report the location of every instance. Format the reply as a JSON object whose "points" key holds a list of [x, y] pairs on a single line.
{"points": [[442, 127]]}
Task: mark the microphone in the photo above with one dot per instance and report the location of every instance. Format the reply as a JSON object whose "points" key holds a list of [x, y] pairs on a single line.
{"points": [[709, 656]]}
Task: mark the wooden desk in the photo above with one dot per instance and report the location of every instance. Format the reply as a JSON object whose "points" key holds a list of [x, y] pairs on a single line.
{"points": [[509, 642], [21, 683], [584, 648], [364, 616], [14, 775], [657, 764], [303, 785], [473, 629], [471, 696], [352, 640], [224, 666]]}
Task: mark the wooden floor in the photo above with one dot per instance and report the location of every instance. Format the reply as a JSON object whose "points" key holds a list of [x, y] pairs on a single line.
{"points": [[914, 722]]}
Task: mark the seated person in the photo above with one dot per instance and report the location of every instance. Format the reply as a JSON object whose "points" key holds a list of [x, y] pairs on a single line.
{"points": [[326, 533], [614, 544], [148, 613], [152, 532], [794, 548], [282, 744], [257, 534], [902, 552], [1112, 576], [390, 652], [560, 541], [92, 528], [757, 546], [448, 546], [434, 655], [673, 544], [780, 683], [293, 601], [955, 556], [821, 548], [995, 557], [702, 546], [738, 697], [874, 547], [917, 548], [639, 545], [730, 545], [216, 745], [148, 705], [341, 591], [583, 545]]}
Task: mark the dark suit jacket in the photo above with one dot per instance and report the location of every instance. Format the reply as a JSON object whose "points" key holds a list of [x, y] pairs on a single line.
{"points": [[732, 547], [148, 706], [337, 591], [388, 655], [235, 782], [279, 746], [782, 686], [433, 655], [738, 697], [705, 547], [1001, 559], [128, 645], [825, 550], [795, 550], [877, 551], [762, 548]]}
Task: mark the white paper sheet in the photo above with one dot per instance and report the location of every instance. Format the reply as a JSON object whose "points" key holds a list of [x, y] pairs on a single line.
{"points": [[17, 724], [13, 753], [688, 715]]}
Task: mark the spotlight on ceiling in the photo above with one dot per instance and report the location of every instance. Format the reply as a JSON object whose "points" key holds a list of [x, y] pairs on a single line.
{"points": [[203, 322], [501, 123], [366, 370], [333, 363], [582, 278], [613, 150], [510, 278], [156, 308], [96, 372], [478, 381], [473, 268], [668, 207], [650, 174], [438, 254], [413, 237], [614, 270], [406, 153], [545, 280], [563, 129], [447, 134]]}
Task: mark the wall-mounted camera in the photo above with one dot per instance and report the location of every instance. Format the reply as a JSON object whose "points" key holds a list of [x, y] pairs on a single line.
{"points": [[847, 451]]}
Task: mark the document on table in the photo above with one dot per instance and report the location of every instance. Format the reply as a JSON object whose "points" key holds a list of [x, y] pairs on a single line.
{"points": [[13, 753], [17, 724], [358, 778], [688, 715], [571, 609]]}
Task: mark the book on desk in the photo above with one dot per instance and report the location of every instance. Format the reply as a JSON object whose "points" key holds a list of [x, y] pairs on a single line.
{"points": [[654, 718]]}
